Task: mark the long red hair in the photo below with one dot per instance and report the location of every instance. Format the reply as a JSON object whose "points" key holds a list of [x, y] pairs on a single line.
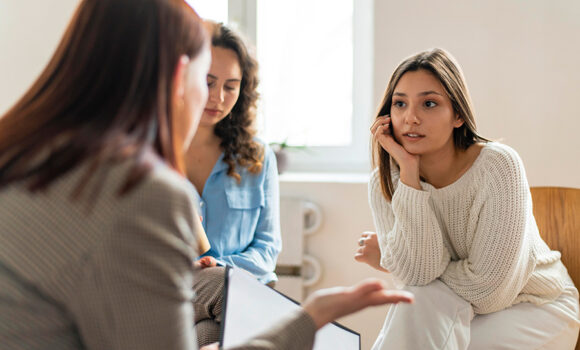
{"points": [[104, 96]]}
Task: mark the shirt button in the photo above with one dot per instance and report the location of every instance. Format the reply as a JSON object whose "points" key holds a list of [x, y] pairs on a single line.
{"points": [[201, 204]]}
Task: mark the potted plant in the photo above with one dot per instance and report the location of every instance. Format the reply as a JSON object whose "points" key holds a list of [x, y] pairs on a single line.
{"points": [[281, 151]]}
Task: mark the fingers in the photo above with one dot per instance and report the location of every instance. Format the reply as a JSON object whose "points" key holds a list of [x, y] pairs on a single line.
{"points": [[212, 346], [362, 243], [206, 261], [373, 292], [380, 125], [368, 286], [396, 296], [389, 297]]}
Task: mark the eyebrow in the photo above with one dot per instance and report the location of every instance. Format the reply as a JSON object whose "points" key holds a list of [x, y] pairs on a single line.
{"points": [[424, 93], [227, 80]]}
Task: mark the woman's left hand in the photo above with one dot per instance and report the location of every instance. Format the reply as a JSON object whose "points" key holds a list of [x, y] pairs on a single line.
{"points": [[206, 261], [369, 251]]}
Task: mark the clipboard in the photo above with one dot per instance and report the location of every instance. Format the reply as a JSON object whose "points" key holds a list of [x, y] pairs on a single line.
{"points": [[251, 307]]}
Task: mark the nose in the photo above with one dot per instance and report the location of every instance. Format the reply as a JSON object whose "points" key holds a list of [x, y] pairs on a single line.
{"points": [[412, 117], [216, 94]]}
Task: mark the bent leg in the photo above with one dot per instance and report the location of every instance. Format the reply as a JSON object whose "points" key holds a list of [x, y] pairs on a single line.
{"points": [[208, 304], [438, 319], [553, 325]]}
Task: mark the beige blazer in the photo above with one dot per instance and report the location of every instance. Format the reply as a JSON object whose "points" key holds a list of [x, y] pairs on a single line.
{"points": [[106, 272]]}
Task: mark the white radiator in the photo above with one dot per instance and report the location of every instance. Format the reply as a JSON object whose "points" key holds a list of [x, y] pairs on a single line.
{"points": [[295, 269]]}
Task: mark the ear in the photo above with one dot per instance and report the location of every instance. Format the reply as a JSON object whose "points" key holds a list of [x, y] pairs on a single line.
{"points": [[458, 122], [179, 79]]}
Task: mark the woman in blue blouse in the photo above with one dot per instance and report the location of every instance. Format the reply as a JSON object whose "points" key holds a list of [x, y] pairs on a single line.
{"points": [[234, 173]]}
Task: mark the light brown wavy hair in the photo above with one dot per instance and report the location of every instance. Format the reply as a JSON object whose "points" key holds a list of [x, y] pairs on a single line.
{"points": [[444, 67], [105, 95], [237, 130]]}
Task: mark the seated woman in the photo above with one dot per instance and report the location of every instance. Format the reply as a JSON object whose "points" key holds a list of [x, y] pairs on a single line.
{"points": [[453, 214], [234, 173], [97, 221]]}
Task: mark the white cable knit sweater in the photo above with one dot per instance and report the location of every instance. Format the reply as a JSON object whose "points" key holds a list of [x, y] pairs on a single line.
{"points": [[477, 235]]}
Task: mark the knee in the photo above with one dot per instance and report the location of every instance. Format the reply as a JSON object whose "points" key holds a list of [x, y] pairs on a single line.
{"points": [[438, 294], [214, 274]]}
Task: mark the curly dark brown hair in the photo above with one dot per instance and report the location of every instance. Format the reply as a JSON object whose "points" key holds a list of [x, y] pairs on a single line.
{"points": [[237, 130]]}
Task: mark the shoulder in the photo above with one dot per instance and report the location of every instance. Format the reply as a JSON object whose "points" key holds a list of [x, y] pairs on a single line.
{"points": [[499, 157], [269, 160], [268, 152], [501, 165], [161, 190], [375, 177]]}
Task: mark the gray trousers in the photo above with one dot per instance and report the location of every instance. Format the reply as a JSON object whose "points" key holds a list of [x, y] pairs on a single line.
{"points": [[208, 305]]}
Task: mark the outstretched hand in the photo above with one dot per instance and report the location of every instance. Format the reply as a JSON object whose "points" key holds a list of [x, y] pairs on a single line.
{"points": [[326, 305]]}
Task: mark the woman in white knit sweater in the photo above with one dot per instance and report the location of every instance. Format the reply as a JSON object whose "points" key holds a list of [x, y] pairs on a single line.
{"points": [[454, 222]]}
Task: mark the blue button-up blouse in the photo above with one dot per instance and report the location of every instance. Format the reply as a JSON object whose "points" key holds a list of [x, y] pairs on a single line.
{"points": [[242, 221]]}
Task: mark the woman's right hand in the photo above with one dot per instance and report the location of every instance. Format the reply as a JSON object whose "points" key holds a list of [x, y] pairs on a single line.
{"points": [[408, 163]]}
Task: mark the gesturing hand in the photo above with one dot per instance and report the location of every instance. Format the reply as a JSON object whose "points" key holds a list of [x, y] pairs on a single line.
{"points": [[408, 163], [326, 305]]}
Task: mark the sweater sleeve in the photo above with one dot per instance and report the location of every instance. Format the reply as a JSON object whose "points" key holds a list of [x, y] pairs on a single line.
{"points": [[409, 234], [500, 259]]}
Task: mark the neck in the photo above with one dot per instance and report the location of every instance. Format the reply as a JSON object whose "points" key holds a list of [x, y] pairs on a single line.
{"points": [[205, 137], [441, 168]]}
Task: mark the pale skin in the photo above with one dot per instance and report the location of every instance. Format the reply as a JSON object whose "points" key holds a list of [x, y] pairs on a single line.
{"points": [[418, 134]]}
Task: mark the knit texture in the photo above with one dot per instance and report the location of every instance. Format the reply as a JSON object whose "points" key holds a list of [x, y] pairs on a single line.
{"points": [[478, 235]]}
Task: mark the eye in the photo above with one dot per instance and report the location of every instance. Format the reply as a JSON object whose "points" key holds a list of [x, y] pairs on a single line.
{"points": [[430, 104], [230, 88], [399, 104]]}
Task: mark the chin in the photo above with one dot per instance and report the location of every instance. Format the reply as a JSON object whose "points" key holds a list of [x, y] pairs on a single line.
{"points": [[207, 121], [415, 150]]}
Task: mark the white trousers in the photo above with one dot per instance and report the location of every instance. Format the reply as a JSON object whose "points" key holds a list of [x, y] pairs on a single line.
{"points": [[440, 319]]}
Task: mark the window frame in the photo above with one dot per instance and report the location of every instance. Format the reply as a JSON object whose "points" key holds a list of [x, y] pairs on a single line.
{"points": [[242, 16]]}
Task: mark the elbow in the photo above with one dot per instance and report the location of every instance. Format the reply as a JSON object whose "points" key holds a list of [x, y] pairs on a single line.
{"points": [[416, 272], [414, 275], [489, 304]]}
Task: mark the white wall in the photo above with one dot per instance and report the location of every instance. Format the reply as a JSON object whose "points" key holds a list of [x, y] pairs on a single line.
{"points": [[345, 216], [29, 34]]}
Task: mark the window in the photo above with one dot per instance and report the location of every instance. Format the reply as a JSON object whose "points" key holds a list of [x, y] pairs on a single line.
{"points": [[316, 80], [216, 10], [316, 60]]}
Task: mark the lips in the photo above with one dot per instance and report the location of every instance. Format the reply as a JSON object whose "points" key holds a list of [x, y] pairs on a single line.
{"points": [[413, 135], [212, 111]]}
